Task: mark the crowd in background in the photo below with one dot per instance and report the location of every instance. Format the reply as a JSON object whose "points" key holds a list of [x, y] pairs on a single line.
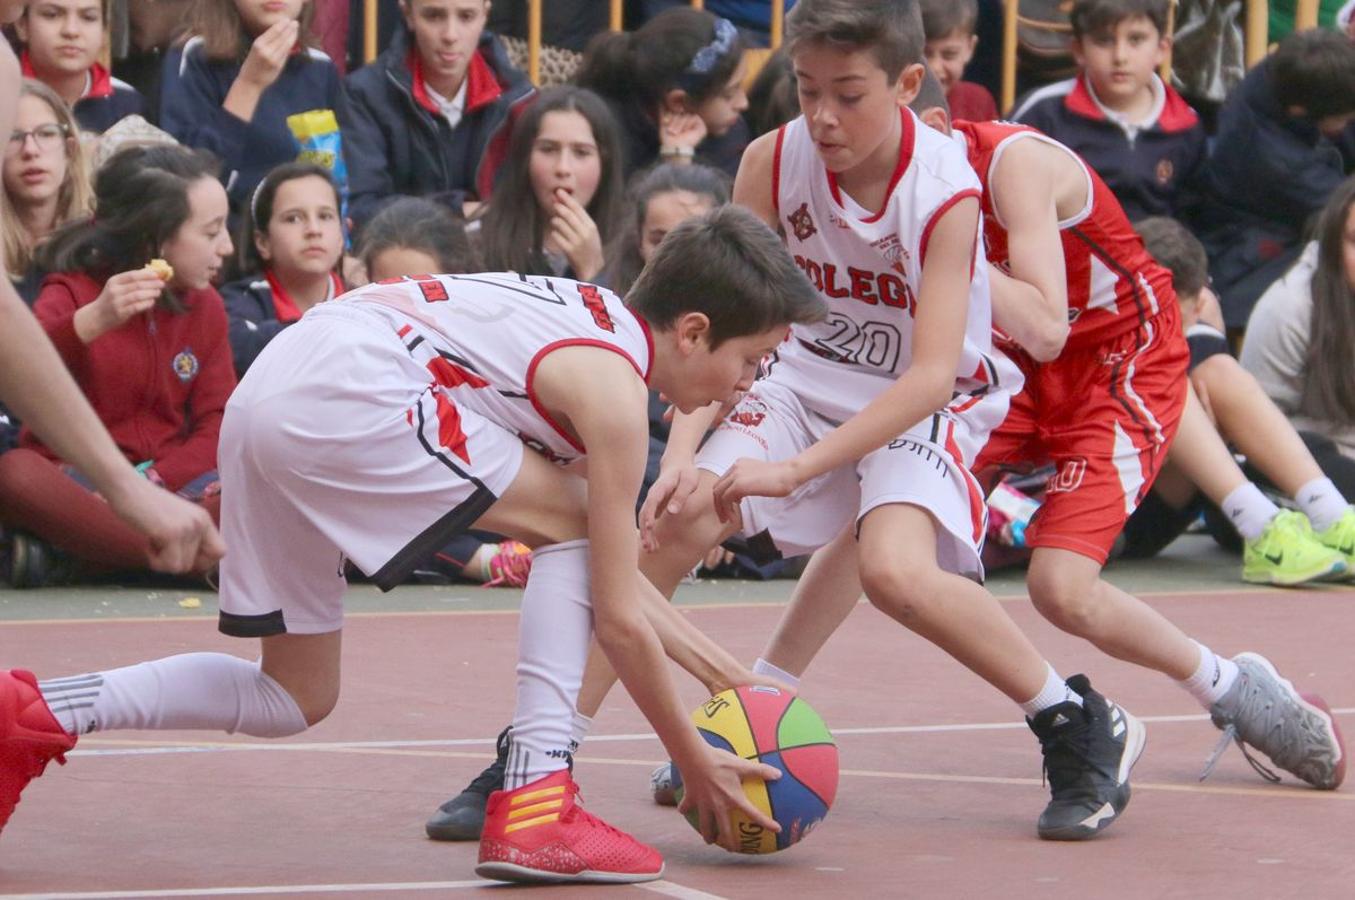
{"points": [[241, 143]]}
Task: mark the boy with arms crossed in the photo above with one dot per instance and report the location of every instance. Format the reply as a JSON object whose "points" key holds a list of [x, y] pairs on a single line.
{"points": [[870, 419], [1103, 408], [390, 419]]}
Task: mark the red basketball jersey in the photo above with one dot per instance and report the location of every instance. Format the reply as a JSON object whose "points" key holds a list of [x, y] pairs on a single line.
{"points": [[1114, 286]]}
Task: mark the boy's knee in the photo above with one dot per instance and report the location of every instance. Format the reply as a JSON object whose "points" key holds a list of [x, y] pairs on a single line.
{"points": [[1069, 605], [899, 591]]}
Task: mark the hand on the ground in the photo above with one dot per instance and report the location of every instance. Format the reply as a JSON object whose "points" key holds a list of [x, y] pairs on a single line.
{"points": [[268, 54], [667, 496], [751, 478], [182, 536], [715, 789], [576, 234]]}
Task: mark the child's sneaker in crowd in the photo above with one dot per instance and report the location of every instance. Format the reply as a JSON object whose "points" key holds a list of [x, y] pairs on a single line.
{"points": [[540, 833], [1288, 553], [1341, 538], [1296, 731], [30, 737]]}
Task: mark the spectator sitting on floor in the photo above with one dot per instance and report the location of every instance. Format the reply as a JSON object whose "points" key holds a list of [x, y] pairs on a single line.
{"points": [[676, 87], [244, 67], [1131, 127], [61, 42], [1274, 164], [433, 114], [46, 182], [292, 244], [147, 345], [949, 26], [559, 199]]}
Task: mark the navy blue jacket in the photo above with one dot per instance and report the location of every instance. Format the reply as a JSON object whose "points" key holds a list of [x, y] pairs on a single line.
{"points": [[106, 100], [397, 141], [192, 89], [1148, 170], [252, 310], [1267, 175]]}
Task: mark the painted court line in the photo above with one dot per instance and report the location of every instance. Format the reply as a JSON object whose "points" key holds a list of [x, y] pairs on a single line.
{"points": [[667, 888], [122, 747]]}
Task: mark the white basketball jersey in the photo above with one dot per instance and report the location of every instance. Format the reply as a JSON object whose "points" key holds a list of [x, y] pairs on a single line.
{"points": [[482, 336], [868, 265]]}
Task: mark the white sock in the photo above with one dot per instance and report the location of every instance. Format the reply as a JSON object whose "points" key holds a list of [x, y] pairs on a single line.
{"points": [[213, 691], [1322, 503], [553, 640], [1249, 510], [1212, 679], [579, 727], [762, 667], [1054, 692]]}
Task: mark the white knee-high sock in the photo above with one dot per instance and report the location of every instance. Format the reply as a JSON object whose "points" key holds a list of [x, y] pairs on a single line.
{"points": [[213, 691], [553, 640]]}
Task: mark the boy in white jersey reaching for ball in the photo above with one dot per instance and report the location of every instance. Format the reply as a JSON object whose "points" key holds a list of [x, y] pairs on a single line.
{"points": [[388, 420], [1102, 402], [870, 419]]}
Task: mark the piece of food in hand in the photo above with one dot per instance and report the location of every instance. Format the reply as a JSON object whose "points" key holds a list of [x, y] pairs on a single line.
{"points": [[161, 268]]}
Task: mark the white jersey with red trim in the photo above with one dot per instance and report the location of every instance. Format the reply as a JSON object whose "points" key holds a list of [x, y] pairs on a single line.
{"points": [[868, 265], [482, 337]]}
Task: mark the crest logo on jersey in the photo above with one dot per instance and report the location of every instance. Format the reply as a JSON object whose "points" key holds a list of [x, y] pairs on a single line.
{"points": [[1165, 171], [892, 249], [185, 365], [747, 419], [802, 223], [1068, 478]]}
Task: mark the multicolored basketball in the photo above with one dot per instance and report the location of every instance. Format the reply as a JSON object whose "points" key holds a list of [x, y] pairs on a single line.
{"points": [[779, 729]]}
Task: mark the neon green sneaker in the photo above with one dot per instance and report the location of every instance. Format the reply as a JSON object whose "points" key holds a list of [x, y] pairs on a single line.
{"points": [[1341, 538], [1288, 553]]}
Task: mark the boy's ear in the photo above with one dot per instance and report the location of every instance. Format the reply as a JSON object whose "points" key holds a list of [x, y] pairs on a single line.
{"points": [[676, 100], [691, 328], [910, 82], [936, 117]]}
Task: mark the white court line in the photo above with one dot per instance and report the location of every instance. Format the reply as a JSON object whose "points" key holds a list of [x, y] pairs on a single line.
{"points": [[667, 888], [210, 747]]}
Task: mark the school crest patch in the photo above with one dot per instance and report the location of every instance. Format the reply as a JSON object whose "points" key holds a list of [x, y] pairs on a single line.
{"points": [[185, 364], [802, 223]]}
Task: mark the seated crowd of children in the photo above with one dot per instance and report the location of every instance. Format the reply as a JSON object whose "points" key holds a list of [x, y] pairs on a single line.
{"points": [[446, 159]]}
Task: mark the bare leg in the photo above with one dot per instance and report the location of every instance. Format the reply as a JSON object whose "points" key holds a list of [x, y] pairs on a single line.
{"points": [[900, 576], [307, 667], [1067, 589], [824, 596], [1200, 454], [1254, 424]]}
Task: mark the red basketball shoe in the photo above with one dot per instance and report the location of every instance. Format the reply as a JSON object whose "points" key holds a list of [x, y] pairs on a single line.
{"points": [[30, 737], [540, 833]]}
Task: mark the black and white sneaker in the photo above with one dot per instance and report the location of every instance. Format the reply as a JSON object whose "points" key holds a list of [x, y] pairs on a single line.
{"points": [[1088, 753], [463, 817]]}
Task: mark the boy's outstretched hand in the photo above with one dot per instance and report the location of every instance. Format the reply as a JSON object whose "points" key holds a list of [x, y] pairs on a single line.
{"points": [[715, 789]]}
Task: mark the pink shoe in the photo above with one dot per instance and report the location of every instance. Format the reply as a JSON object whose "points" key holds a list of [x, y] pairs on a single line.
{"points": [[30, 737], [510, 566]]}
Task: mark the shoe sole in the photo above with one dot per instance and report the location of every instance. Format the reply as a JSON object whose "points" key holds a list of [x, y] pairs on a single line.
{"points": [[1313, 704], [1334, 572], [452, 832], [505, 871], [1136, 738]]}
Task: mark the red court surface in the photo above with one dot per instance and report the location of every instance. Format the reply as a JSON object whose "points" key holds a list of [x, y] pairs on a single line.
{"points": [[939, 794]]}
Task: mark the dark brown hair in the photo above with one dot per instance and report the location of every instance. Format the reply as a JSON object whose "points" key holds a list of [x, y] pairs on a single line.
{"points": [[623, 260], [942, 17], [890, 29], [1176, 249], [417, 223], [514, 228], [728, 265], [1315, 70], [223, 32], [1093, 18], [1329, 377], [260, 212]]}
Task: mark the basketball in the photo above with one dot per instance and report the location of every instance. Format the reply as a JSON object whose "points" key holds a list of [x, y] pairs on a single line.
{"points": [[781, 730]]}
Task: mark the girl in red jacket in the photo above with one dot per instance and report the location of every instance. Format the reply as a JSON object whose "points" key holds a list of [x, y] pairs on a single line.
{"points": [[147, 345]]}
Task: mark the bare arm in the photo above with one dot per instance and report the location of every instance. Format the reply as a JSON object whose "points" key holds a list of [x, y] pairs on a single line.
{"points": [[1030, 304], [753, 184]]}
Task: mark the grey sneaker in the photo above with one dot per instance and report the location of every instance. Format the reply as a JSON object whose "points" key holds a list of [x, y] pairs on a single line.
{"points": [[1296, 731], [662, 786]]}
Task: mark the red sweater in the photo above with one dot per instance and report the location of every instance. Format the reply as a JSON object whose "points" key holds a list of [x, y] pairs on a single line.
{"points": [[159, 382]]}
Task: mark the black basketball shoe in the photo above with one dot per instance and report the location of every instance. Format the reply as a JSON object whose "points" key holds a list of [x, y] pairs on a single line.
{"points": [[463, 817]]}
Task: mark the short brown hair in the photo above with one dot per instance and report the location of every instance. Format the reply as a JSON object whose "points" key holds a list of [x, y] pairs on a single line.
{"points": [[891, 29], [1176, 249], [728, 265], [942, 17], [1095, 17]]}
